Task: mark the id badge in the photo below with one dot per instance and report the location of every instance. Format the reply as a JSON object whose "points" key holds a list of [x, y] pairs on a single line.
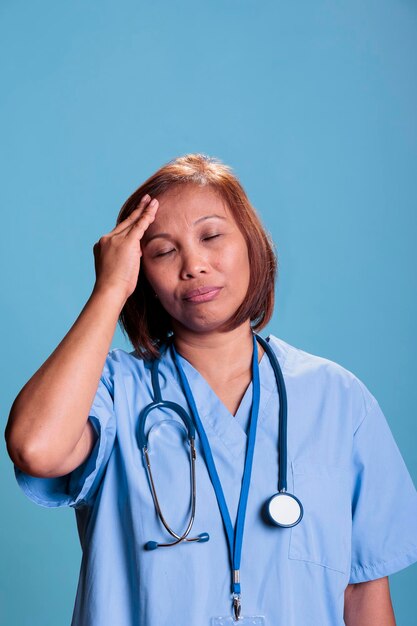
{"points": [[254, 620]]}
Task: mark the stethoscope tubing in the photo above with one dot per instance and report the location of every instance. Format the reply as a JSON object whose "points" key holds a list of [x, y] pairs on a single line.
{"points": [[191, 429], [278, 516], [179, 538], [283, 413]]}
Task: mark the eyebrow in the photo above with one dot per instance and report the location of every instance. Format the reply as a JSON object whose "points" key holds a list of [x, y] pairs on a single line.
{"points": [[200, 219]]}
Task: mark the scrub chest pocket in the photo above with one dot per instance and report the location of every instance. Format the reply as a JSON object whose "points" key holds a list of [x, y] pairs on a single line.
{"points": [[323, 536]]}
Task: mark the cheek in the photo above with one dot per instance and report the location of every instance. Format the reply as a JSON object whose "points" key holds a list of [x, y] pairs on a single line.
{"points": [[164, 282], [235, 259], [241, 268], [153, 275]]}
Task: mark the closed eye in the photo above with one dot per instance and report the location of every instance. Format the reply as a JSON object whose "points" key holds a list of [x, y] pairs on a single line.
{"points": [[204, 239], [211, 237]]}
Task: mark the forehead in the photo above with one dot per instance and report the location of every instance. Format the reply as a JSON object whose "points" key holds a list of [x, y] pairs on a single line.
{"points": [[189, 202], [184, 209]]}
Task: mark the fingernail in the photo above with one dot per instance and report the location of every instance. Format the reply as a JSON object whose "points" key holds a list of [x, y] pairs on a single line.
{"points": [[154, 201]]}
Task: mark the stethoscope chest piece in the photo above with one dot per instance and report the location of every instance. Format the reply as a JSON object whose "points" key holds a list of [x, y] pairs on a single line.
{"points": [[284, 509]]}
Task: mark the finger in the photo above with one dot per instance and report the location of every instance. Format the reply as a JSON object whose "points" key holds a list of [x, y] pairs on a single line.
{"points": [[126, 223], [147, 215], [139, 226], [145, 200]]}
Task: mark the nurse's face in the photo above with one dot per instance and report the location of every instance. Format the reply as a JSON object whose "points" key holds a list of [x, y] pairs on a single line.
{"points": [[195, 242]]}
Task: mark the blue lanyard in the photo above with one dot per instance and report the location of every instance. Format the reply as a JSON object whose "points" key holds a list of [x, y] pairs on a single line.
{"points": [[234, 536]]}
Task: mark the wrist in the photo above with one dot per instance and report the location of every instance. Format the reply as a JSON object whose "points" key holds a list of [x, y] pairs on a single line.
{"points": [[109, 296]]}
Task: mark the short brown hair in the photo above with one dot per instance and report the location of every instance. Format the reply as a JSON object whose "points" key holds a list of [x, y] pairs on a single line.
{"points": [[143, 318]]}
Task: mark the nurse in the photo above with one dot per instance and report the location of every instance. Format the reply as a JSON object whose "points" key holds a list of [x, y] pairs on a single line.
{"points": [[189, 272]]}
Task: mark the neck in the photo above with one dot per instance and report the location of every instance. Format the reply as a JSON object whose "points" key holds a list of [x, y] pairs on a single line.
{"points": [[222, 356]]}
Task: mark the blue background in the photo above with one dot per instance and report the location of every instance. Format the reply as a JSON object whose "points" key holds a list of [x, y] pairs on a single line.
{"points": [[314, 106]]}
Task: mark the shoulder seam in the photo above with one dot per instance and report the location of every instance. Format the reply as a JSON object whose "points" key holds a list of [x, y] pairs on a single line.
{"points": [[367, 411]]}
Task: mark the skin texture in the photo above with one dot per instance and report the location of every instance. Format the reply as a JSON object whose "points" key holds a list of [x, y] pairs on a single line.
{"points": [[192, 260], [195, 258], [369, 604], [47, 433]]}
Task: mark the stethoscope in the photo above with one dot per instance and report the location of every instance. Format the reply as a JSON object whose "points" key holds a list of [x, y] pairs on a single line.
{"points": [[283, 509]]}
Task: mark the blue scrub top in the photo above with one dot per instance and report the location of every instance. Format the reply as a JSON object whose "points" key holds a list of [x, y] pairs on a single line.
{"points": [[360, 504]]}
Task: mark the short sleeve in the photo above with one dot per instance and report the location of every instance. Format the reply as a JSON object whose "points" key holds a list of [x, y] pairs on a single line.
{"points": [[384, 503], [79, 487]]}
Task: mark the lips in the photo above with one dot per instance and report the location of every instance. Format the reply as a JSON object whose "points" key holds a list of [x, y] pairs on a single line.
{"points": [[199, 291]]}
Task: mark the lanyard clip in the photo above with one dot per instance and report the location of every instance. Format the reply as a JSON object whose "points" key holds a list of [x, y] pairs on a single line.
{"points": [[236, 606]]}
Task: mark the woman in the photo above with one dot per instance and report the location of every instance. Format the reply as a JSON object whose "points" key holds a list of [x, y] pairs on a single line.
{"points": [[190, 230]]}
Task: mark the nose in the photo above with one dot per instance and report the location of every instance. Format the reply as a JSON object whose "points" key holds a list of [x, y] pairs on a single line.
{"points": [[193, 263]]}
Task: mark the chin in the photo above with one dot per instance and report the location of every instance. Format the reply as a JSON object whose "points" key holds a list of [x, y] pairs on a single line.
{"points": [[204, 324]]}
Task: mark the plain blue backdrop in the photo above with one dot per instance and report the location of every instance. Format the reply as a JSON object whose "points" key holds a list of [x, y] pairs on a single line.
{"points": [[314, 106]]}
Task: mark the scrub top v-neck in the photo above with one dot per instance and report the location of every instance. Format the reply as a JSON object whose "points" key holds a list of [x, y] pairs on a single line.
{"points": [[292, 576]]}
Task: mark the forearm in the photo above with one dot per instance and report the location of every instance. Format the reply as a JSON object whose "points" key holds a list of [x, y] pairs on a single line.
{"points": [[50, 413], [369, 604]]}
